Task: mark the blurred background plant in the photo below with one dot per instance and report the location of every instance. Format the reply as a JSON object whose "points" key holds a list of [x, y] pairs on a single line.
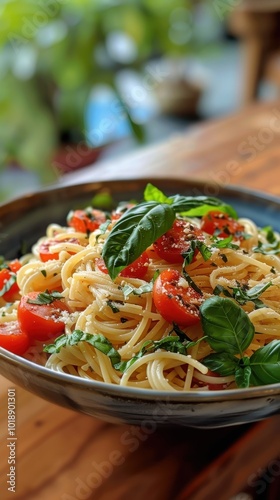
{"points": [[53, 53]]}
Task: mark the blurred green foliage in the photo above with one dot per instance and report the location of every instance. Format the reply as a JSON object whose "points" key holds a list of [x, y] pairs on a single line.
{"points": [[52, 52]]}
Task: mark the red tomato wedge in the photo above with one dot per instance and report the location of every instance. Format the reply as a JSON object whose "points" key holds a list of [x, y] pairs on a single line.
{"points": [[176, 303], [13, 338], [45, 248], [174, 242], [8, 280], [41, 321], [87, 220], [137, 269], [221, 225]]}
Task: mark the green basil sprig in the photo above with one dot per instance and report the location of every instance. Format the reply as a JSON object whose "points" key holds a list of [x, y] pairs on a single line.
{"points": [[46, 297], [242, 294], [98, 341], [8, 285], [229, 332], [143, 224], [172, 343]]}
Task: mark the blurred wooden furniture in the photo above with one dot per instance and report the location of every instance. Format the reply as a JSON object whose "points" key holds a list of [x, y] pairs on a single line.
{"points": [[257, 24], [63, 455]]}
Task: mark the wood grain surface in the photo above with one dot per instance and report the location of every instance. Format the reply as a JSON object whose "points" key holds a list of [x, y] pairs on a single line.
{"points": [[63, 455]]}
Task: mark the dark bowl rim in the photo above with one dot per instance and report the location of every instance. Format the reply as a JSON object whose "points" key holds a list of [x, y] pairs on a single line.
{"points": [[125, 391]]}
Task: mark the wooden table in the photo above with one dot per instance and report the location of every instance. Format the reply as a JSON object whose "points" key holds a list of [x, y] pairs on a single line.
{"points": [[62, 455]]}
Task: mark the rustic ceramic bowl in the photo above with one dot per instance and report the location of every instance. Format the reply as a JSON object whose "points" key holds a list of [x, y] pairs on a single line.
{"points": [[25, 219]]}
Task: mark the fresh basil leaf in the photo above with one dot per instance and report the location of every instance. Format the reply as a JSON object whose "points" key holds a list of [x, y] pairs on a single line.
{"points": [[197, 206], [223, 363], [265, 364], [227, 326], [152, 193], [243, 374], [8, 284], [45, 298], [98, 341], [137, 229]]}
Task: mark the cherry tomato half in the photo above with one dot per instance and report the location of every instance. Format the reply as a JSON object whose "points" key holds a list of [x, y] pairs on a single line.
{"points": [[176, 303], [221, 225], [13, 338], [86, 220], [137, 269], [174, 242], [45, 248], [41, 321], [6, 274]]}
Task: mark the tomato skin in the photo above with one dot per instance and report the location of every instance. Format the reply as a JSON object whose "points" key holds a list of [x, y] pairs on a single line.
{"points": [[13, 338], [5, 275], [45, 252], [137, 269], [174, 242], [221, 224], [175, 303], [84, 221], [41, 322]]}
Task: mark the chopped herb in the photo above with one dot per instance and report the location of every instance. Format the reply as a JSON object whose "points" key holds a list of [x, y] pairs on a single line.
{"points": [[146, 288], [98, 341], [113, 306], [223, 257], [171, 343], [46, 297], [8, 285], [242, 294]]}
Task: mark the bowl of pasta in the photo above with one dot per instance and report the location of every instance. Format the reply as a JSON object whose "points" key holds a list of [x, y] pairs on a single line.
{"points": [[146, 301]]}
